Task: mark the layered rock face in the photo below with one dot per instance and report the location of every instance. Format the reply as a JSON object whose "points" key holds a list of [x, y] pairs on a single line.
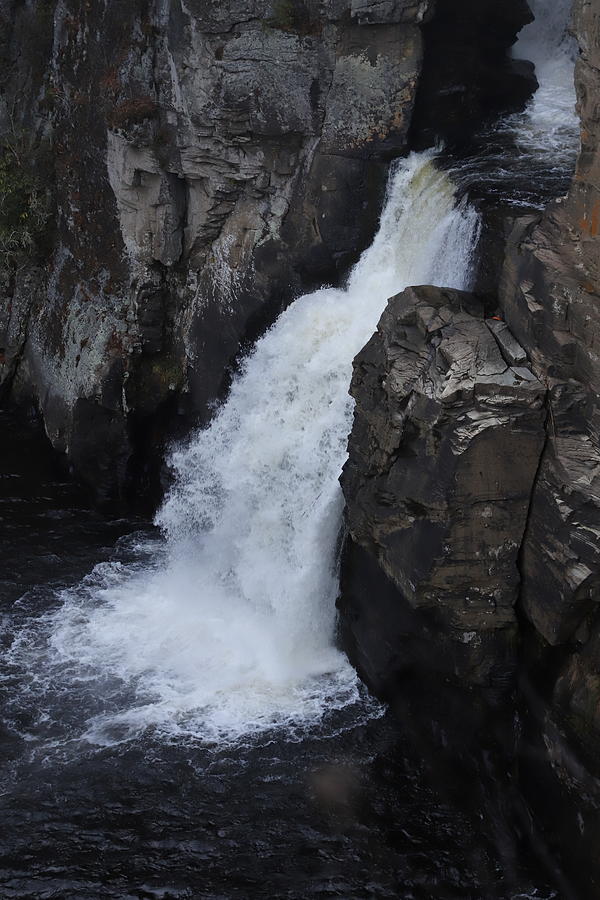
{"points": [[446, 442], [210, 160], [461, 486], [550, 295]]}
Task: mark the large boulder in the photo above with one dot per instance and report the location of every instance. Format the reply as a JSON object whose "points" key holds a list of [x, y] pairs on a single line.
{"points": [[445, 446]]}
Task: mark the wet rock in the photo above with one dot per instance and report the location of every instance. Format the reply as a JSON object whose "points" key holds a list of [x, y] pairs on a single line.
{"points": [[550, 298], [468, 76], [371, 12], [209, 161], [443, 454]]}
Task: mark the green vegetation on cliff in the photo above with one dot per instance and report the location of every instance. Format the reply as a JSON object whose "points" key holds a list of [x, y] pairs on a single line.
{"points": [[24, 198]]}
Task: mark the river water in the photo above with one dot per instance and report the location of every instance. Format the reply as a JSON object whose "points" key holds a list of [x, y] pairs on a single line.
{"points": [[177, 720]]}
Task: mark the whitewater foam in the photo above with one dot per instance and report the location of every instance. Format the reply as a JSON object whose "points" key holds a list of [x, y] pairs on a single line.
{"points": [[228, 629]]}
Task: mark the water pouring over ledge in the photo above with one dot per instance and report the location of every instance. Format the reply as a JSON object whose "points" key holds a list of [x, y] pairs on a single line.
{"points": [[230, 630]]}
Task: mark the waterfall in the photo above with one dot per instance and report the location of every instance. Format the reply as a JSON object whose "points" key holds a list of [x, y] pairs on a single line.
{"points": [[231, 630], [228, 627]]}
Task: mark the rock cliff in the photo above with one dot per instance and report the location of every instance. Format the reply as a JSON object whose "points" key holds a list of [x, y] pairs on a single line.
{"points": [[208, 162], [473, 489], [447, 437], [191, 167], [550, 295], [550, 292]]}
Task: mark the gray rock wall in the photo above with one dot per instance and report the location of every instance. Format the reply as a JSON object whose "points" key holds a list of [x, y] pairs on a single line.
{"points": [[550, 294], [446, 443], [209, 161], [458, 530]]}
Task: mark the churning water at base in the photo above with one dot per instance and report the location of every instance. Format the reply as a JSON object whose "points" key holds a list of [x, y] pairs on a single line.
{"points": [[229, 629]]}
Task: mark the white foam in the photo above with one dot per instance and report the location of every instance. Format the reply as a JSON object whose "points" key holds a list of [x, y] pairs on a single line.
{"points": [[231, 630]]}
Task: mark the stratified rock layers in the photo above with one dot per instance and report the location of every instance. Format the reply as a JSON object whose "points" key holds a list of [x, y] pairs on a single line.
{"points": [[211, 160], [447, 437], [550, 297], [474, 505]]}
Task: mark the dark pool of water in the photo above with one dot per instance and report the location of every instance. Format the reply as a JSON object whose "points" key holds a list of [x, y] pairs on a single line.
{"points": [[354, 809]]}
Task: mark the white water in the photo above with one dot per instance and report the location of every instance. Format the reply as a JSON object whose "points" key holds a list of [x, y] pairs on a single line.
{"points": [[549, 126], [233, 631]]}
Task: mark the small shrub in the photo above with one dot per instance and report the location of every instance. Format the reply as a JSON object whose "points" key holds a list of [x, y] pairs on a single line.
{"points": [[293, 16], [133, 112], [24, 202], [284, 16]]}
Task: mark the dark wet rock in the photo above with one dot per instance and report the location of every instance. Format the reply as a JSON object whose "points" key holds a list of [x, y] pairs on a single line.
{"points": [[446, 442], [372, 12], [550, 298], [201, 157], [468, 76]]}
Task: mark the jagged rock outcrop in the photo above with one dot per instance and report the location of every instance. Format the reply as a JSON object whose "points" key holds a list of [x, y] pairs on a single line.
{"points": [[208, 161], [446, 441], [399, 489]]}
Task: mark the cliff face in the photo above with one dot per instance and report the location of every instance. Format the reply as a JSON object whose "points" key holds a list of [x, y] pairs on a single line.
{"points": [[195, 165], [550, 292], [549, 299], [500, 534], [209, 161], [447, 436]]}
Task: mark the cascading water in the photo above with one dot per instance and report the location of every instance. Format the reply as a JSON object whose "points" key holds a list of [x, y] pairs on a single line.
{"points": [[232, 629], [226, 627], [229, 628]]}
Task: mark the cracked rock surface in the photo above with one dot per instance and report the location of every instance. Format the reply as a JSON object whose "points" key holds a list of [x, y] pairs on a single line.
{"points": [[550, 297], [446, 442], [210, 161]]}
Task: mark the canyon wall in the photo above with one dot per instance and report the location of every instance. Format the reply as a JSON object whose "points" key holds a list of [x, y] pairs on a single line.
{"points": [[191, 167], [473, 492], [209, 161]]}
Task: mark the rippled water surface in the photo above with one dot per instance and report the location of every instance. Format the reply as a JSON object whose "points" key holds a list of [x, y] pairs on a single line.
{"points": [[350, 808], [354, 806]]}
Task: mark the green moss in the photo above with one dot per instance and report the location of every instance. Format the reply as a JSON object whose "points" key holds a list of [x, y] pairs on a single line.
{"points": [[24, 200]]}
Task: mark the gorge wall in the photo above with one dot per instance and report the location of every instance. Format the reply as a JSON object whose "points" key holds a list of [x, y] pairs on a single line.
{"points": [[191, 167], [473, 492]]}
